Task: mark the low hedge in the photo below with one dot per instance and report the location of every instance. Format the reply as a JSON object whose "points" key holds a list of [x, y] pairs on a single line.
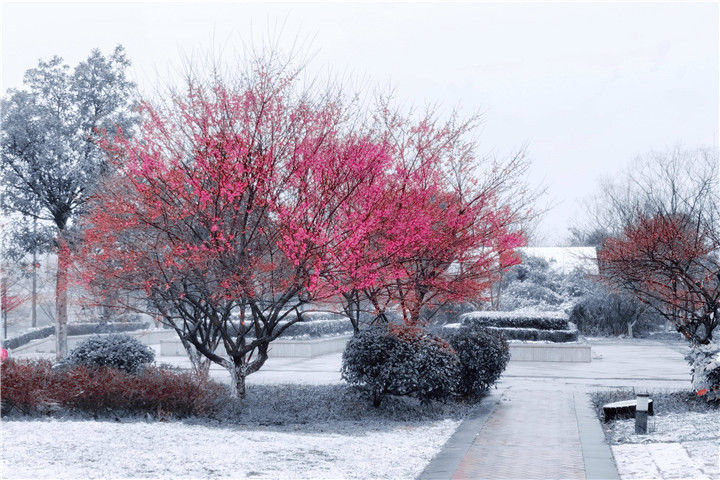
{"points": [[28, 337], [317, 326], [73, 330], [534, 320], [536, 334], [33, 386]]}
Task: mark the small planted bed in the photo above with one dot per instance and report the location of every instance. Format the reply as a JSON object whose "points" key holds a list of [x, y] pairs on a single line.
{"points": [[533, 336], [526, 326], [682, 438]]}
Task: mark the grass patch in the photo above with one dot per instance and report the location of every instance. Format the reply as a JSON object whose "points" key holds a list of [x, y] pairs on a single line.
{"points": [[664, 402]]}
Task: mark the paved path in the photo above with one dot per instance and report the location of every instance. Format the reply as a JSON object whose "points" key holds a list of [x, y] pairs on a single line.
{"points": [[540, 425], [529, 435]]}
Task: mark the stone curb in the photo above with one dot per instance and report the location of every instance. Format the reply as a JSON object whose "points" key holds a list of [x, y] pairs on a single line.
{"points": [[597, 455], [444, 465]]}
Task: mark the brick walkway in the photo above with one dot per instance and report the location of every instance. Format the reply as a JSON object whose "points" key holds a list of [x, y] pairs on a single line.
{"points": [[530, 435], [539, 424]]}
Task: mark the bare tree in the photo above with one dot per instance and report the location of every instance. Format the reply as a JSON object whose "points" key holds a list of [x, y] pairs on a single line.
{"points": [[664, 240]]}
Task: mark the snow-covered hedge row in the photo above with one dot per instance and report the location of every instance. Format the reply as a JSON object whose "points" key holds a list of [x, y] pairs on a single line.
{"points": [[75, 329], [535, 334], [518, 319], [317, 328]]}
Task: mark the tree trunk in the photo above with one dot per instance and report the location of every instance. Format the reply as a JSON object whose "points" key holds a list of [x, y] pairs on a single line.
{"points": [[61, 302], [630, 329], [3, 303], [237, 377], [33, 312]]}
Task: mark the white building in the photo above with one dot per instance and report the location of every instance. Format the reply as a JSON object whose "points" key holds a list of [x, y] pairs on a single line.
{"points": [[565, 259]]}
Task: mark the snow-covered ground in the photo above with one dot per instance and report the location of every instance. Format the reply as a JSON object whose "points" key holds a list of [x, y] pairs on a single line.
{"points": [[679, 445], [101, 449]]}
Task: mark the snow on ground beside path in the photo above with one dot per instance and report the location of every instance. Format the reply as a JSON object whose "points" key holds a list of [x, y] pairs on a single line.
{"points": [[100, 449], [669, 427], [680, 445], [687, 460]]}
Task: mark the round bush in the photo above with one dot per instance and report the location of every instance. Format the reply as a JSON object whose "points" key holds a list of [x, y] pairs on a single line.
{"points": [[705, 369], [400, 360], [483, 356], [119, 351]]}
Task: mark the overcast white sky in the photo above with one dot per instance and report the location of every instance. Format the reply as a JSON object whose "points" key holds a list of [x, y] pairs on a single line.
{"points": [[585, 86]]}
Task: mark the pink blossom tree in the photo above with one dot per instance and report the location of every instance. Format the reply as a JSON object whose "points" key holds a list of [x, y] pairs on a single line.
{"points": [[227, 210], [444, 228]]}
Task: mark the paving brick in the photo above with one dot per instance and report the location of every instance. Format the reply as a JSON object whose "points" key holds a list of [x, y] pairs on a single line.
{"points": [[530, 435]]}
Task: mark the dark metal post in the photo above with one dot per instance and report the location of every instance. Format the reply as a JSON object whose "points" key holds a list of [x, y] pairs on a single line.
{"points": [[641, 413]]}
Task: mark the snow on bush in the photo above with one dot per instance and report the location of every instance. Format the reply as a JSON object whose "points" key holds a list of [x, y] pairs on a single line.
{"points": [[521, 325], [117, 351], [539, 320], [601, 312], [519, 295], [537, 335], [705, 369], [536, 285], [75, 329], [397, 359], [483, 357]]}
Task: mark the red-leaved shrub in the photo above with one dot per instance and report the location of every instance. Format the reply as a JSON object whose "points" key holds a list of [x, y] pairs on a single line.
{"points": [[31, 386]]}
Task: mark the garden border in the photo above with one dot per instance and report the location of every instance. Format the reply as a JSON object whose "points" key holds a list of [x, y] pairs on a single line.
{"points": [[597, 456]]}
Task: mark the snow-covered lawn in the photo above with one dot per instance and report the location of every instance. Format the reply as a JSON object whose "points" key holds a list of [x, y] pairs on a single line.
{"points": [[76, 449], [679, 445]]}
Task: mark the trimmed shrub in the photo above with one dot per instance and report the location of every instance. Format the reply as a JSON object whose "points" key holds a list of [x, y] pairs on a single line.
{"points": [[395, 359], [73, 330], [26, 385], [483, 356], [534, 334], [319, 328], [33, 386], [117, 351], [538, 320], [28, 337], [313, 325]]}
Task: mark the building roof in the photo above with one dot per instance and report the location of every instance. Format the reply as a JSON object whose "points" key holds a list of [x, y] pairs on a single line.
{"points": [[565, 259]]}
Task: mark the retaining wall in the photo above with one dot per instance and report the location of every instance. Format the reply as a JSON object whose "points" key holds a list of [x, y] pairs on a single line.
{"points": [[550, 352]]}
